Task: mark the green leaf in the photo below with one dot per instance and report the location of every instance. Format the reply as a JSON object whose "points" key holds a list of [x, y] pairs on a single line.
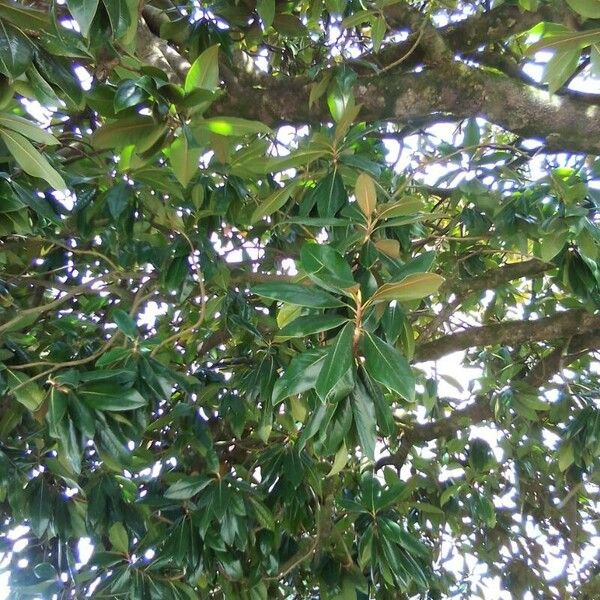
{"points": [[266, 12], [128, 94], [560, 67], [30, 160], [550, 246], [273, 202], [184, 160], [305, 326], [119, 16], [27, 128], [229, 126], [294, 293], [339, 461], [412, 287], [27, 392], [24, 17], [590, 9], [140, 130], [204, 72], [363, 409], [110, 397], [378, 30], [187, 487], [397, 534], [326, 266], [564, 41], [83, 12], [334, 382], [566, 456], [387, 366], [300, 375], [117, 534], [125, 323], [16, 51], [330, 195]]}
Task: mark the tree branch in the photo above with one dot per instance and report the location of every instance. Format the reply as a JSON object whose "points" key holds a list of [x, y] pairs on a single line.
{"points": [[481, 409], [456, 90], [561, 325]]}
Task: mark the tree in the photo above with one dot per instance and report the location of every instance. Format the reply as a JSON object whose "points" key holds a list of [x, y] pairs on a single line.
{"points": [[299, 299]]}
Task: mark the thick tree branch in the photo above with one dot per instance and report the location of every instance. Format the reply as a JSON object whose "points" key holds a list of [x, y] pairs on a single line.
{"points": [[455, 91], [561, 325], [481, 409], [496, 277]]}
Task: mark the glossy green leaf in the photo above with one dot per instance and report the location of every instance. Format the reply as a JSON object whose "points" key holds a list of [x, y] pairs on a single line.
{"points": [[294, 293], [117, 534], [336, 378], [273, 202], [30, 160], [310, 325], [363, 408], [16, 51], [387, 366], [83, 12], [187, 487], [140, 130], [110, 397], [27, 128], [27, 392], [204, 72], [184, 160], [299, 376], [229, 126], [326, 267], [125, 323]]}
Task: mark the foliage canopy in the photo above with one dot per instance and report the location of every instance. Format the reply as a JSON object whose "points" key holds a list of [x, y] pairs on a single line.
{"points": [[299, 299]]}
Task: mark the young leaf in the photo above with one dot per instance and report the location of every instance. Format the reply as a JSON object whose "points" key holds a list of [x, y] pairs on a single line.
{"points": [[365, 194], [412, 287], [387, 366], [204, 72], [333, 381], [30, 160]]}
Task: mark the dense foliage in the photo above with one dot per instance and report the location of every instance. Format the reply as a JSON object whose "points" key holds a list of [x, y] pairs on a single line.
{"points": [[299, 299]]}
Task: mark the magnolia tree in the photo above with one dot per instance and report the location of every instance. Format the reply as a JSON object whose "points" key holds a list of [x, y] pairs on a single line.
{"points": [[299, 299]]}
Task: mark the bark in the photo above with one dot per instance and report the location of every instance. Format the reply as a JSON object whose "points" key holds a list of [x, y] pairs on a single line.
{"points": [[511, 333], [482, 409], [453, 91]]}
